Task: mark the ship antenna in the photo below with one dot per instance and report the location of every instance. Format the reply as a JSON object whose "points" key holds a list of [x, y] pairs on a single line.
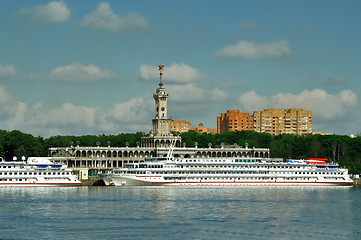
{"points": [[171, 148]]}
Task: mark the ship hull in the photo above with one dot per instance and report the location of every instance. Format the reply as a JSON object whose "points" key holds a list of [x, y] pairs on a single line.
{"points": [[40, 182], [137, 181]]}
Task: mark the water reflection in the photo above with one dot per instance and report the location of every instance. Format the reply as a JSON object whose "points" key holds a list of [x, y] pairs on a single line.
{"points": [[181, 212]]}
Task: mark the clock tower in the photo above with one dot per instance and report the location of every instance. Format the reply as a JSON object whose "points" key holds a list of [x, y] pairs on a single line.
{"points": [[160, 135], [161, 123]]}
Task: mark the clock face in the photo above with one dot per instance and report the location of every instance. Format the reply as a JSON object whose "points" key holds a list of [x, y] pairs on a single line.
{"points": [[163, 108]]}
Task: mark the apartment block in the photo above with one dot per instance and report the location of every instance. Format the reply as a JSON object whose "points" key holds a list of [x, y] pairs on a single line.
{"points": [[180, 126], [279, 121], [234, 120]]}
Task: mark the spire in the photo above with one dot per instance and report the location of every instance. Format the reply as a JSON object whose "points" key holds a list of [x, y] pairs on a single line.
{"points": [[160, 69]]}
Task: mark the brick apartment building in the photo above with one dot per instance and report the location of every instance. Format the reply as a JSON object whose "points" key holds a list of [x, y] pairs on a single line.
{"points": [[234, 120], [279, 121], [274, 121], [202, 129], [180, 126]]}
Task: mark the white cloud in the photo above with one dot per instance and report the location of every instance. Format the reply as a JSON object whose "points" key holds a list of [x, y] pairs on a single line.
{"points": [[176, 73], [69, 119], [103, 17], [78, 72], [130, 116], [7, 104], [68, 114], [7, 71], [135, 110], [11, 111], [250, 50], [324, 106], [148, 73], [54, 12], [19, 116]]}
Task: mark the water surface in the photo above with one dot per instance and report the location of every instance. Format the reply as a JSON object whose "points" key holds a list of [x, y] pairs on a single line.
{"points": [[180, 213]]}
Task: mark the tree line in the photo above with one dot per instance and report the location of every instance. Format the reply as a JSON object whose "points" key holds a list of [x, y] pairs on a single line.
{"points": [[336, 148]]}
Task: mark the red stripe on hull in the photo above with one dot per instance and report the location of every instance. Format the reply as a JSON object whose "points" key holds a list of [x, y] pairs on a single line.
{"points": [[258, 183], [234, 183]]}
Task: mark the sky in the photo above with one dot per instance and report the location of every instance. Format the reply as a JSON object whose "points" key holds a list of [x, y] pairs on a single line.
{"points": [[90, 67]]}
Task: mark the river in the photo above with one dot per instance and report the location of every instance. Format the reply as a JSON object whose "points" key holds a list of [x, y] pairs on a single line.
{"points": [[180, 213]]}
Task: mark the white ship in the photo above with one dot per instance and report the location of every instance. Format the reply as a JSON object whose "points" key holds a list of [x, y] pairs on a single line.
{"points": [[169, 171], [36, 171]]}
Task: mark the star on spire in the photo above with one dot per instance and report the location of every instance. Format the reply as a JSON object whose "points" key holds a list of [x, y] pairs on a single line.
{"points": [[160, 67]]}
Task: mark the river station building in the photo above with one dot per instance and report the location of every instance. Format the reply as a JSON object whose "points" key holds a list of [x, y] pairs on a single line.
{"points": [[97, 159]]}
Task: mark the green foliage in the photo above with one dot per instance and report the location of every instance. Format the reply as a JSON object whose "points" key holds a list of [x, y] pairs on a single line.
{"points": [[16, 143], [342, 149], [253, 139], [120, 140]]}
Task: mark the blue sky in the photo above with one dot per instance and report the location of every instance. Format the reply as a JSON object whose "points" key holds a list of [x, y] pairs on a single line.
{"points": [[90, 67]]}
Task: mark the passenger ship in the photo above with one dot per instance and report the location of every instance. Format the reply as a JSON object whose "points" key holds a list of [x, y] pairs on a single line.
{"points": [[231, 172], [36, 171]]}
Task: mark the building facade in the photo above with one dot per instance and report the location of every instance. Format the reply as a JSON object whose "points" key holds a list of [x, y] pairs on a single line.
{"points": [[234, 120], [279, 121], [180, 126], [201, 129]]}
